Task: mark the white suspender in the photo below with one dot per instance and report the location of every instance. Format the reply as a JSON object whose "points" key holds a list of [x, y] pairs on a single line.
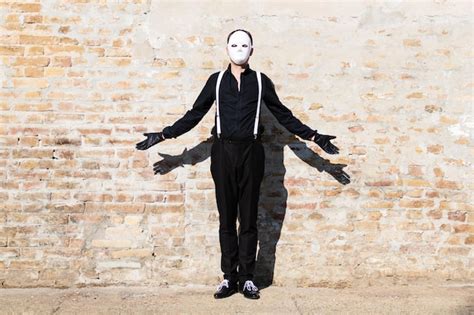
{"points": [[255, 129], [259, 80], [219, 78]]}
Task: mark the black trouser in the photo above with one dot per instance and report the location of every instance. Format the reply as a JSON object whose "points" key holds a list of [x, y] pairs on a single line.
{"points": [[237, 169]]}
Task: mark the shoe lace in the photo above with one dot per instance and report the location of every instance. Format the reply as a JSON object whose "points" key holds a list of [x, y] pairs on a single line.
{"points": [[224, 283], [250, 286]]}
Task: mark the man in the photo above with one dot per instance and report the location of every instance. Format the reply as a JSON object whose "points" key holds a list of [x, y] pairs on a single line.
{"points": [[237, 156]]}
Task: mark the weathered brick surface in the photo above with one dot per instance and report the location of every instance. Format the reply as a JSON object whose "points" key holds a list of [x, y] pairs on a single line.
{"points": [[81, 81]]}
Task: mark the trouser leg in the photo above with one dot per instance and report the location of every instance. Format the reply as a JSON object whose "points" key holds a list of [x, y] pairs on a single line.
{"points": [[250, 175], [222, 170]]}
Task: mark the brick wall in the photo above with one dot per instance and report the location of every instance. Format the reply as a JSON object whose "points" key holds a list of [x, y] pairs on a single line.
{"points": [[81, 82]]}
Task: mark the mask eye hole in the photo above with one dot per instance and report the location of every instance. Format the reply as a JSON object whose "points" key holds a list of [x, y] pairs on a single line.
{"points": [[233, 45]]}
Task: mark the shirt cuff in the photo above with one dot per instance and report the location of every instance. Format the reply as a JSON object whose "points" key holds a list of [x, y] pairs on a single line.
{"points": [[167, 133]]}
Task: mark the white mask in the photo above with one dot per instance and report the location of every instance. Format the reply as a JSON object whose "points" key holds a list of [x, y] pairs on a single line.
{"points": [[239, 47]]}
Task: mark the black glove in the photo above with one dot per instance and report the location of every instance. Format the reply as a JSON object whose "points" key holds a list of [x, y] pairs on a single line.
{"points": [[152, 139], [324, 142]]}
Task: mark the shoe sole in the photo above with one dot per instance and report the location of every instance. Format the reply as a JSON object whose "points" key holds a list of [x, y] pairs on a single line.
{"points": [[249, 297], [223, 297]]}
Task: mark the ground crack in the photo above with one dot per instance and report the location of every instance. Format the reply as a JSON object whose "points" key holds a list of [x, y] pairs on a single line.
{"points": [[293, 298], [57, 308]]}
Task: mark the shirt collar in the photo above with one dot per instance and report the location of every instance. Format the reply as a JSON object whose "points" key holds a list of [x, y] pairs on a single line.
{"points": [[245, 72]]}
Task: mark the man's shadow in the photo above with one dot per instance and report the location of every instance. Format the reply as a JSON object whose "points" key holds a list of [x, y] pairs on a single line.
{"points": [[273, 194]]}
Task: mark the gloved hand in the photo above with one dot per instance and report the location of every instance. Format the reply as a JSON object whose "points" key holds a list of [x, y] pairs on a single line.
{"points": [[152, 139], [324, 142]]}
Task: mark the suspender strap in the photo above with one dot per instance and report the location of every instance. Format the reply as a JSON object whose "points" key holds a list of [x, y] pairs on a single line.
{"points": [[219, 78], [259, 80], [255, 129]]}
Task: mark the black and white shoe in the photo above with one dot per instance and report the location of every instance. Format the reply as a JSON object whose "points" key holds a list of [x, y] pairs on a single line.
{"points": [[249, 290], [226, 289]]}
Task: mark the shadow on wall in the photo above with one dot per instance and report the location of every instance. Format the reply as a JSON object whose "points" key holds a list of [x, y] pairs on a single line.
{"points": [[273, 194]]}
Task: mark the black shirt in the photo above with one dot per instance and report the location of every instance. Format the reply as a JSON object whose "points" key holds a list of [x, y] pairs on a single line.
{"points": [[238, 109]]}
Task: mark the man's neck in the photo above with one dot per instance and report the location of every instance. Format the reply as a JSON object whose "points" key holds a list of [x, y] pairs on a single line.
{"points": [[238, 69]]}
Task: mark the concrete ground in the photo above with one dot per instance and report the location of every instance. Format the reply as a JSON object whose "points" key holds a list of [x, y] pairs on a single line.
{"points": [[452, 299]]}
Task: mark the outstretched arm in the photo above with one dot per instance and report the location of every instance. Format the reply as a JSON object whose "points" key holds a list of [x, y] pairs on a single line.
{"points": [[293, 124], [193, 116], [188, 121], [283, 114]]}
